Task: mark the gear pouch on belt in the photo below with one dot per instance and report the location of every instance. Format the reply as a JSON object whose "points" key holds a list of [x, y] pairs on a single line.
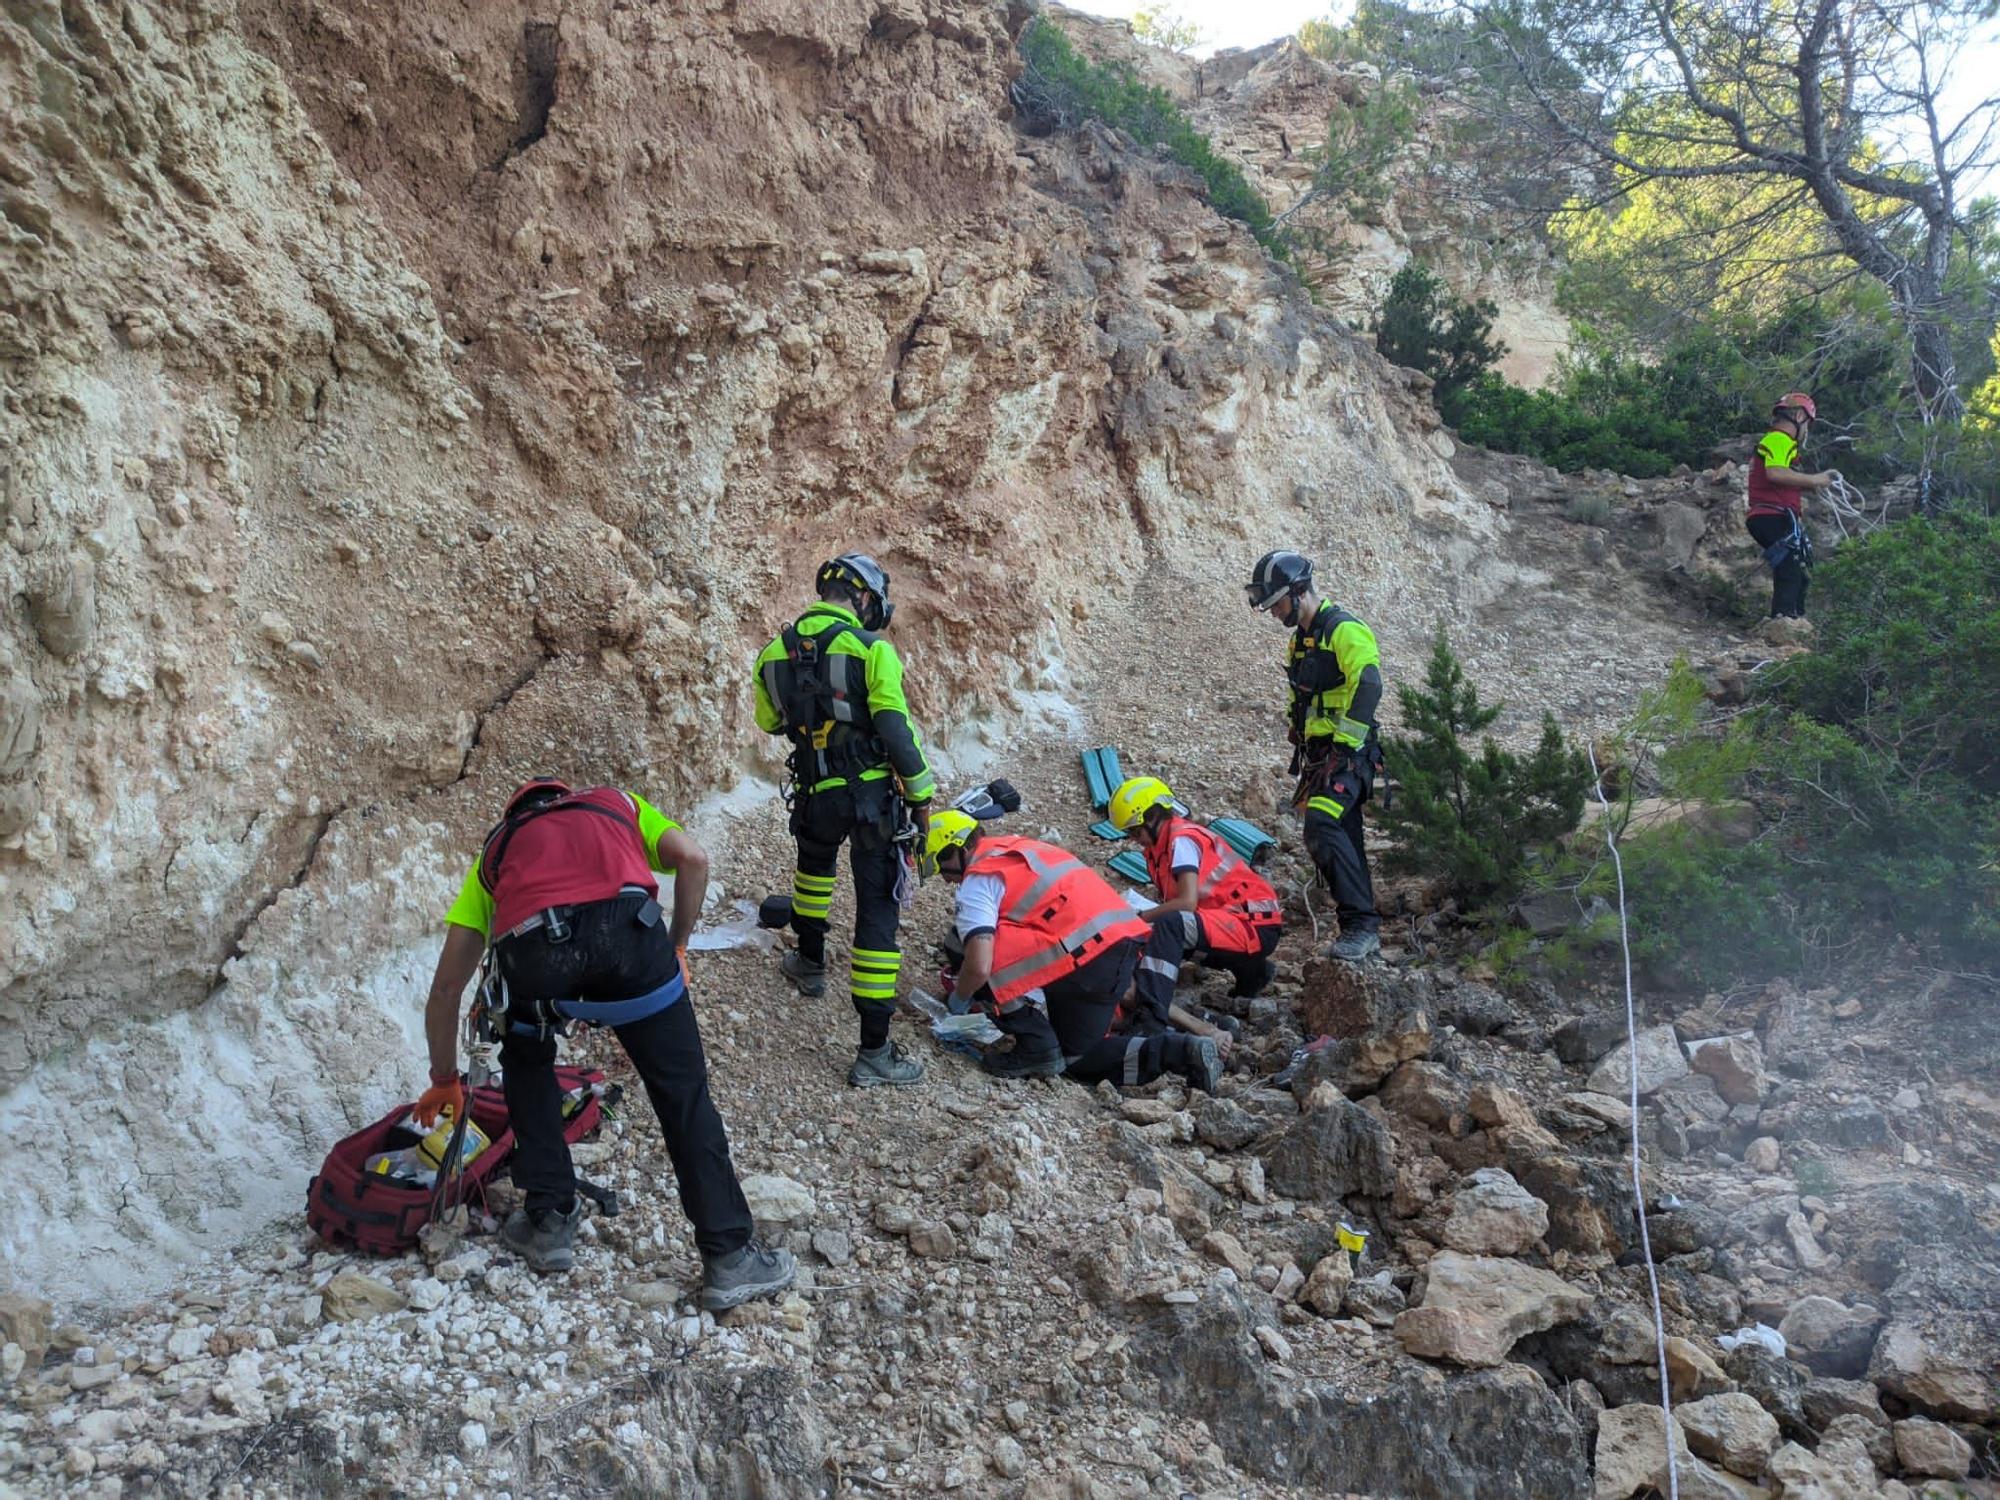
{"points": [[875, 811]]}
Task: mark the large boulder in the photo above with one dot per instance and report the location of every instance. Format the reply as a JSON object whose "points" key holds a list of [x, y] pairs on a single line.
{"points": [[1840, 1469], [1735, 1063], [1476, 1307], [1777, 1384], [1632, 1443], [1731, 1429], [1379, 1017], [1326, 1289], [1332, 1150], [25, 1321], [1830, 1337], [1225, 1124], [1941, 1347], [1494, 1215], [1932, 1449], [1430, 1094], [1660, 1062], [1412, 1431], [1928, 1373]]}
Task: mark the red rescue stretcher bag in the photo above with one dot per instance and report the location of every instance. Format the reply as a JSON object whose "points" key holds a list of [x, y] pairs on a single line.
{"points": [[355, 1209]]}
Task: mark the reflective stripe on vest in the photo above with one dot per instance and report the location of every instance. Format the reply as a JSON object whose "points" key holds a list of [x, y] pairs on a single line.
{"points": [[1223, 882], [1056, 914]]}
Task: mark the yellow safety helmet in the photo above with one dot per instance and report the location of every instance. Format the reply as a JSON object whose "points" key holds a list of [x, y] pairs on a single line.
{"points": [[949, 830], [1130, 803]]}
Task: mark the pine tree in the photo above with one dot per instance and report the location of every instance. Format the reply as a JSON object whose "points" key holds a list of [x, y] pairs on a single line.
{"points": [[1424, 327], [1469, 819]]}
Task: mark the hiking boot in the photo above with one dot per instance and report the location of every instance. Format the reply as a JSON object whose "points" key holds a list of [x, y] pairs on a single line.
{"points": [[731, 1280], [810, 977], [1019, 1063], [874, 1067], [1250, 986], [545, 1239], [1352, 947], [1203, 1068]]}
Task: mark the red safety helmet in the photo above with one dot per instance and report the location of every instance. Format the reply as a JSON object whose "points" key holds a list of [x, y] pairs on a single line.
{"points": [[1798, 400], [536, 789]]}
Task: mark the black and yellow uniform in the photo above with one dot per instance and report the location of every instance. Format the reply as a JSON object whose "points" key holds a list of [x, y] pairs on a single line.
{"points": [[836, 691], [1335, 672]]}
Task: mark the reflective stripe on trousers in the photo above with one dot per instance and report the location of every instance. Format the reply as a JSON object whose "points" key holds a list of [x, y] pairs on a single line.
{"points": [[871, 975]]}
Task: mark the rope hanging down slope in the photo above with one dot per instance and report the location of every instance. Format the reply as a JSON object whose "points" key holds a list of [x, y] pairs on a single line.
{"points": [[1632, 1078]]}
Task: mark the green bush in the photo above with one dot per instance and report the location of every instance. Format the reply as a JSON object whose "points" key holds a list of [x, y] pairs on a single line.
{"points": [[1606, 410], [1474, 819], [1873, 765], [1059, 89], [1424, 327]]}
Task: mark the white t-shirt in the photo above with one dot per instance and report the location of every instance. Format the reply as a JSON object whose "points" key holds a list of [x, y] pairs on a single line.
{"points": [[1187, 856], [979, 898]]}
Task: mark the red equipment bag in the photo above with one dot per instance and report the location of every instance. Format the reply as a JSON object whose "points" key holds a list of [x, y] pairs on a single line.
{"points": [[353, 1208]]}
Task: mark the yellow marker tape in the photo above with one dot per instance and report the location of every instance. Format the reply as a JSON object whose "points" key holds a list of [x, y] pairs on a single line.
{"points": [[1351, 1239]]}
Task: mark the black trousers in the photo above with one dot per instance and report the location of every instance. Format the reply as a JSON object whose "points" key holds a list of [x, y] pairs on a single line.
{"points": [[1789, 578], [1080, 1005], [611, 957], [1340, 853], [822, 822], [1135, 1054], [1244, 968], [1083, 1007]]}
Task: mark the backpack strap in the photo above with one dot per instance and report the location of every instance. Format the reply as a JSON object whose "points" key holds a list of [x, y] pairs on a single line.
{"points": [[495, 848]]}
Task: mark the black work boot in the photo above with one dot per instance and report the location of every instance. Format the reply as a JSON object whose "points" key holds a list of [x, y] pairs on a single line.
{"points": [[1201, 1064], [809, 977], [545, 1238], [1020, 1062], [731, 1280], [1252, 980]]}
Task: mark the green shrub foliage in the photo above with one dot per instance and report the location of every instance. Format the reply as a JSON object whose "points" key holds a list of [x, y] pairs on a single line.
{"points": [[1474, 818], [1873, 762], [1059, 89], [1423, 327]]}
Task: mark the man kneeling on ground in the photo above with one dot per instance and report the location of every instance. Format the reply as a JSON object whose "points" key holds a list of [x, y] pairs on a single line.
{"points": [[1051, 950], [564, 890], [1229, 916]]}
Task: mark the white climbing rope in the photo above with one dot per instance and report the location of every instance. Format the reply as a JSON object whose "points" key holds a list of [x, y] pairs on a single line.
{"points": [[1632, 1077], [1848, 508]]}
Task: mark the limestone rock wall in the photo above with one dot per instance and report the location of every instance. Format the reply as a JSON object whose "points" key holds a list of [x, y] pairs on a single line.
{"points": [[1266, 109], [397, 402]]}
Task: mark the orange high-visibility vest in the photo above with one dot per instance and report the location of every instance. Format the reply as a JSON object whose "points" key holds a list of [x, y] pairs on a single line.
{"points": [[1222, 883], [1056, 916]]}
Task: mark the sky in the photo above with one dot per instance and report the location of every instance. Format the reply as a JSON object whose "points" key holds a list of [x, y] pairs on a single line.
{"points": [[1227, 23], [1251, 23]]}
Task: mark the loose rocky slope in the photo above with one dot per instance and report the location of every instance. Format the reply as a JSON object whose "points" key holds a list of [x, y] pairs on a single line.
{"points": [[398, 403], [395, 406]]}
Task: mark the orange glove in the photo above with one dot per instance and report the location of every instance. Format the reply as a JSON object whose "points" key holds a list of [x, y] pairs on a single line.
{"points": [[448, 1095]]}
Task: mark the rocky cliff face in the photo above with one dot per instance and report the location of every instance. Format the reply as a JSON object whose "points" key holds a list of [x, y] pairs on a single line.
{"points": [[399, 400], [400, 403], [1266, 109]]}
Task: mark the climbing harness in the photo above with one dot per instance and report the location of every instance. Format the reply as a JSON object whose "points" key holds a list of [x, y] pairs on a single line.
{"points": [[823, 697]]}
